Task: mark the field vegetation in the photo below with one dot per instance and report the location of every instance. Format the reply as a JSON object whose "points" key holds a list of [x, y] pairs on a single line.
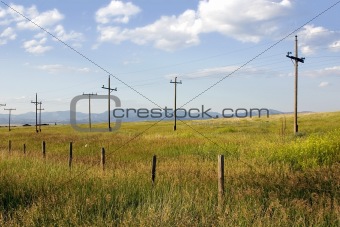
{"points": [[272, 177]]}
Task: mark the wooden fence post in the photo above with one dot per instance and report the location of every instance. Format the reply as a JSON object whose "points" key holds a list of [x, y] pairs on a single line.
{"points": [[153, 173], [9, 145], [44, 149], [103, 158], [71, 156], [24, 148], [220, 178]]}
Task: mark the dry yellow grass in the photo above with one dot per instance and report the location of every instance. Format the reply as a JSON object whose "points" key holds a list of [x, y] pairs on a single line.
{"points": [[272, 177]]}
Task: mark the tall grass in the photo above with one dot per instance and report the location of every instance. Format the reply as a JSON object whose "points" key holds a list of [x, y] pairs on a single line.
{"points": [[272, 177]]}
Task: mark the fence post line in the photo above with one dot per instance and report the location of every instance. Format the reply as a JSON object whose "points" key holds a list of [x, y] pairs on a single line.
{"points": [[71, 156], [24, 148], [153, 173], [9, 145], [220, 178], [44, 149], [103, 158]]}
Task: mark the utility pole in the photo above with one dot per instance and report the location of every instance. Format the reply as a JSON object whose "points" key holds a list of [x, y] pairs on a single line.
{"points": [[36, 112], [175, 110], [109, 89], [2, 104], [9, 118], [297, 60], [40, 115], [89, 107]]}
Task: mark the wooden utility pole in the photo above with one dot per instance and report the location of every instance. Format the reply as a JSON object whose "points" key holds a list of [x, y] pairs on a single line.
{"points": [[175, 109], [220, 176], [102, 159], [43, 146], [296, 60], [109, 89], [9, 118], [90, 107], [71, 156], [153, 170], [36, 112]]}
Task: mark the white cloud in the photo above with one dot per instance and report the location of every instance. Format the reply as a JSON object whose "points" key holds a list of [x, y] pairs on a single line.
{"points": [[247, 21], [168, 33], [335, 46], [16, 13], [221, 72], [40, 35], [58, 68], [116, 11], [45, 19], [328, 71], [313, 38], [7, 34], [111, 34], [74, 37], [36, 46], [49, 20], [2, 13], [324, 84], [10, 16]]}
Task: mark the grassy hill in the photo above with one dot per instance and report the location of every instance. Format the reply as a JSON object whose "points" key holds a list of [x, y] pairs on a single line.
{"points": [[272, 177]]}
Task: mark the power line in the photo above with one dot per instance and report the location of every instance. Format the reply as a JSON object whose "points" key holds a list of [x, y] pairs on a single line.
{"points": [[261, 53], [149, 100], [78, 52]]}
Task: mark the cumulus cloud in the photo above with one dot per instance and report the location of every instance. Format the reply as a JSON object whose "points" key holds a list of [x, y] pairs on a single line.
{"points": [[45, 19], [36, 46], [247, 21], [8, 16], [168, 33], [6, 35], [74, 37], [243, 20], [49, 20], [313, 38], [116, 11]]}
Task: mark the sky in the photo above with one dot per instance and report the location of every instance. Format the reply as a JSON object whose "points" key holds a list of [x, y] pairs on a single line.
{"points": [[227, 53]]}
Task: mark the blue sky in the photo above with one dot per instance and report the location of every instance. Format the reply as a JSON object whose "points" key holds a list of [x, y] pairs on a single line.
{"points": [[146, 43]]}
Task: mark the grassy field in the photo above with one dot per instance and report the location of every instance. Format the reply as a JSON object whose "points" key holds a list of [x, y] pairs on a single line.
{"points": [[272, 177]]}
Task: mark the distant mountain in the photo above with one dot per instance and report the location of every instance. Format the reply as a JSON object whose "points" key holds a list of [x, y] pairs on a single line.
{"points": [[63, 117]]}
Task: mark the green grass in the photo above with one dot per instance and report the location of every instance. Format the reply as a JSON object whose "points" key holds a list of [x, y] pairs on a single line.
{"points": [[272, 176]]}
